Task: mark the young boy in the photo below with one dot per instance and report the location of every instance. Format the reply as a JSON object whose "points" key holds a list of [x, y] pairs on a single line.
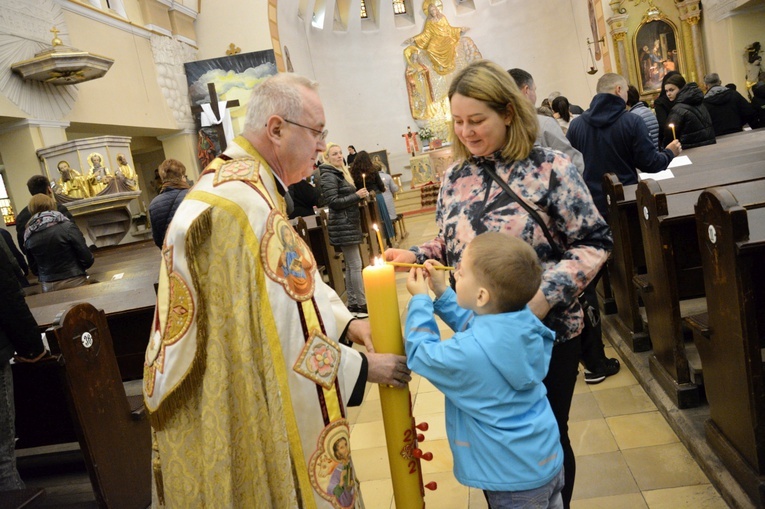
{"points": [[501, 429]]}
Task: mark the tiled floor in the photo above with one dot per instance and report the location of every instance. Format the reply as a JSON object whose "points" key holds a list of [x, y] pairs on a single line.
{"points": [[627, 455]]}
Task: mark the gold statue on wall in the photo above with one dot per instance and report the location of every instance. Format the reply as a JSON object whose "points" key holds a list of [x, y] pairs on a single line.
{"points": [[71, 183], [432, 58], [99, 176]]}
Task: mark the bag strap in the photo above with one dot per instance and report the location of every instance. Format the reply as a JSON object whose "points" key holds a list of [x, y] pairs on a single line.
{"points": [[533, 213]]}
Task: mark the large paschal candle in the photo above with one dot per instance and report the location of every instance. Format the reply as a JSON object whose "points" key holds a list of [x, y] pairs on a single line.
{"points": [[400, 433]]}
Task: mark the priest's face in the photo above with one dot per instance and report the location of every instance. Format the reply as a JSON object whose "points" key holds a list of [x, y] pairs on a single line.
{"points": [[302, 143], [482, 130]]}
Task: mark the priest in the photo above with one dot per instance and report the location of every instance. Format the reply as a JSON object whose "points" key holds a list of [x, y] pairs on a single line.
{"points": [[247, 376]]}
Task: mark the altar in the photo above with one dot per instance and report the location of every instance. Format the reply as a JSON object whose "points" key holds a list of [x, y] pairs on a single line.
{"points": [[429, 166]]}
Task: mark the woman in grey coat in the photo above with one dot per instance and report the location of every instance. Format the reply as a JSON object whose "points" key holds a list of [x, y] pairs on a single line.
{"points": [[344, 225]]}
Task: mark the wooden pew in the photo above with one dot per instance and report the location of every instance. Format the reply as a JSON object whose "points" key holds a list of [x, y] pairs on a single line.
{"points": [[113, 433], [323, 252], [627, 259], [674, 273], [730, 343]]}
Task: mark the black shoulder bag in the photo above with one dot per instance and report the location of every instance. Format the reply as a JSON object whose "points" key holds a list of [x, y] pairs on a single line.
{"points": [[591, 314]]}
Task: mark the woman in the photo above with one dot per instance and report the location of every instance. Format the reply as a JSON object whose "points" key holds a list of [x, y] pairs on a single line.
{"points": [[661, 106], [494, 129], [365, 173], [162, 208], [344, 225], [690, 118], [55, 247], [561, 112]]}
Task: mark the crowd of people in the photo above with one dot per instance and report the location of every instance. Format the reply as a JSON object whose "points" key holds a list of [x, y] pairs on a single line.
{"points": [[248, 371]]}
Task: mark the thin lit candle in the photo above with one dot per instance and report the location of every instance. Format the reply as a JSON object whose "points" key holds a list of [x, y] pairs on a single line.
{"points": [[379, 239], [364, 179], [418, 266], [672, 126]]}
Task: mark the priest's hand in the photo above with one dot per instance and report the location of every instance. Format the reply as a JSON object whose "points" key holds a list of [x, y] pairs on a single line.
{"points": [[360, 332], [388, 368]]}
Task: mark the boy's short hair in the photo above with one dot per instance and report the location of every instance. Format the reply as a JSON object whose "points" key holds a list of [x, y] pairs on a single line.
{"points": [[38, 184], [508, 267]]}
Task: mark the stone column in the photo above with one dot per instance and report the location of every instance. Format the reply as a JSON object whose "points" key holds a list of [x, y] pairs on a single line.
{"points": [[19, 142], [183, 147], [690, 12], [618, 24]]}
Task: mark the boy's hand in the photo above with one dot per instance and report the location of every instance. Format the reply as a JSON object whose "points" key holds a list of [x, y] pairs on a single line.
{"points": [[437, 279], [416, 283]]}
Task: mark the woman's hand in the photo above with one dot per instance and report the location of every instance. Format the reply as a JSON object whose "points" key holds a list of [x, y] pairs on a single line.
{"points": [[416, 282], [400, 256], [363, 193], [539, 306], [437, 278]]}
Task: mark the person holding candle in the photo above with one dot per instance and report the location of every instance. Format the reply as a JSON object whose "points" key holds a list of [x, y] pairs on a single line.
{"points": [[246, 380], [688, 120], [504, 441], [344, 224], [367, 174], [494, 129]]}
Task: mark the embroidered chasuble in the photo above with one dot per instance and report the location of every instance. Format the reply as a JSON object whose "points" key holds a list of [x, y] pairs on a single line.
{"points": [[244, 380]]}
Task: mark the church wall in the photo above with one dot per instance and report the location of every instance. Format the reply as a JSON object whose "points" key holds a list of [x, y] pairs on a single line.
{"points": [[361, 71], [724, 42], [129, 94], [243, 23]]}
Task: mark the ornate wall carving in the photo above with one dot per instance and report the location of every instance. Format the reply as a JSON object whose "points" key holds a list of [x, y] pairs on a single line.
{"points": [[25, 30], [169, 57]]}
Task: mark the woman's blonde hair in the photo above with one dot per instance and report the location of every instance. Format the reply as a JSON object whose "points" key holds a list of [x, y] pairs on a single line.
{"points": [[487, 82], [326, 152], [41, 203]]}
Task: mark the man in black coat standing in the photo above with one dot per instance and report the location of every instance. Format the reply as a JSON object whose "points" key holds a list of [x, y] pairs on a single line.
{"points": [[728, 109], [19, 334]]}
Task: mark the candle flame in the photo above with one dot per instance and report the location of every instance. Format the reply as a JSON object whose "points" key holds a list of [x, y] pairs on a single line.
{"points": [[378, 261], [375, 228], [671, 125]]}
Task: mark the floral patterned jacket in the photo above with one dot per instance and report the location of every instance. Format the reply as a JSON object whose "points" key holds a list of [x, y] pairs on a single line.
{"points": [[471, 202]]}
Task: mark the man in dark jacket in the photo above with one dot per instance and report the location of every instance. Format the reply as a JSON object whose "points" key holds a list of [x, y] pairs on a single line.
{"points": [[728, 109], [613, 142], [36, 185], [18, 333]]}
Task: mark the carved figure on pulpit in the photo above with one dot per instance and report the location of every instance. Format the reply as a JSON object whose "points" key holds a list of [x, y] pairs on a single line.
{"points": [[127, 179], [71, 183], [99, 175], [432, 57], [753, 61]]}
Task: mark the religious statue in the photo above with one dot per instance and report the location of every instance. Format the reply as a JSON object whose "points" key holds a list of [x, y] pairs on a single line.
{"points": [[127, 179], [753, 61], [99, 175], [412, 147], [432, 58], [71, 183]]}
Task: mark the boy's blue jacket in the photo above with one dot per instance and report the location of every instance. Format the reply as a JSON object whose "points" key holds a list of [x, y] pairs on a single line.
{"points": [[500, 426]]}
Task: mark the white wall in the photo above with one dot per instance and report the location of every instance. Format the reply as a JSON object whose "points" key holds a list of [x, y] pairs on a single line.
{"points": [[362, 72]]}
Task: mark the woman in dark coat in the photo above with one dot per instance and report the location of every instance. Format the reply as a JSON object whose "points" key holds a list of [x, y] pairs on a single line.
{"points": [[662, 105], [366, 174], [344, 224], [690, 118], [162, 208], [55, 247]]}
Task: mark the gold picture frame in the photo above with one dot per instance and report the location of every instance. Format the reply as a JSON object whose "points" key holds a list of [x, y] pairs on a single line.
{"points": [[657, 50]]}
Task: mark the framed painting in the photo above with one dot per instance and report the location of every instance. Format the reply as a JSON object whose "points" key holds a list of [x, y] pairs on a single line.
{"points": [[657, 52], [381, 158], [234, 78]]}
